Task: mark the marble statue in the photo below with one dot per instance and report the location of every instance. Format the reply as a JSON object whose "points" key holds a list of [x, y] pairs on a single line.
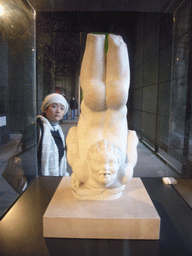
{"points": [[100, 149]]}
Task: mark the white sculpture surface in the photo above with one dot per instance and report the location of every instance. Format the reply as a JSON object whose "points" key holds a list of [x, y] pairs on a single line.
{"points": [[100, 149]]}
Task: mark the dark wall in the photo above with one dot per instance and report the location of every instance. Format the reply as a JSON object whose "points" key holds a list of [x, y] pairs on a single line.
{"points": [[17, 67], [151, 78], [4, 90], [160, 107]]}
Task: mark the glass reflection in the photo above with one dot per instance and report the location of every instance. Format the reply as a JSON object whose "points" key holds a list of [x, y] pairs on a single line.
{"points": [[17, 86]]}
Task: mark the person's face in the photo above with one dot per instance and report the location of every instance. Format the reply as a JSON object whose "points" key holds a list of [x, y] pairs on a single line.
{"points": [[55, 112], [104, 167]]}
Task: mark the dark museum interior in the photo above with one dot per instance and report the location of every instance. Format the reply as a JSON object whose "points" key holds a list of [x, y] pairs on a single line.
{"points": [[41, 50]]}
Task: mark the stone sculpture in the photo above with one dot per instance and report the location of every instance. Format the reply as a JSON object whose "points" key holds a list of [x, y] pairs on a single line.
{"points": [[100, 149]]}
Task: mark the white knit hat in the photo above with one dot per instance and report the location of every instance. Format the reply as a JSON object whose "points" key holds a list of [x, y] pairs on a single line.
{"points": [[54, 98]]}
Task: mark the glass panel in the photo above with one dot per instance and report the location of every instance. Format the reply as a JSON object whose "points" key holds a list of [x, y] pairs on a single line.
{"points": [[159, 101], [158, 78], [180, 134], [17, 92], [164, 83]]}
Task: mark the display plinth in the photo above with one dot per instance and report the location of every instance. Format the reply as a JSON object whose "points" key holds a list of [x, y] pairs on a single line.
{"points": [[132, 216]]}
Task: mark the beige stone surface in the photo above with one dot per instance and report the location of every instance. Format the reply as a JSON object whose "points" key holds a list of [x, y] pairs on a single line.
{"points": [[105, 81], [132, 216]]}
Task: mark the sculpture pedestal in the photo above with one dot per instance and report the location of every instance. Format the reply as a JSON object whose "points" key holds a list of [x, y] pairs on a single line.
{"points": [[132, 216]]}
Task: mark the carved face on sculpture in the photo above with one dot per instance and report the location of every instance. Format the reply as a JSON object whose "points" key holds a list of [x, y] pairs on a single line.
{"points": [[104, 162]]}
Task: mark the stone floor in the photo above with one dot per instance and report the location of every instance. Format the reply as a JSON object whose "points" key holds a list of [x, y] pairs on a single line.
{"points": [[149, 165]]}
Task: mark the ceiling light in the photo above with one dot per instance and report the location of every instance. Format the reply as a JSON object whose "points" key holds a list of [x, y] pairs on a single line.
{"points": [[1, 10]]}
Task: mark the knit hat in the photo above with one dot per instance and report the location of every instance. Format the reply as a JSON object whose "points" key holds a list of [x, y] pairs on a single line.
{"points": [[54, 98]]}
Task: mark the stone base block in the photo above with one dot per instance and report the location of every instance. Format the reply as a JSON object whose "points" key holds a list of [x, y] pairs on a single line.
{"points": [[132, 216]]}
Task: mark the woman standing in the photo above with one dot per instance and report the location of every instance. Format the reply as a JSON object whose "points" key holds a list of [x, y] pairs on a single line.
{"points": [[51, 144]]}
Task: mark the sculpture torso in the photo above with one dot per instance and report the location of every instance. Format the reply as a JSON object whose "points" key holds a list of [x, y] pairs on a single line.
{"points": [[95, 126]]}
